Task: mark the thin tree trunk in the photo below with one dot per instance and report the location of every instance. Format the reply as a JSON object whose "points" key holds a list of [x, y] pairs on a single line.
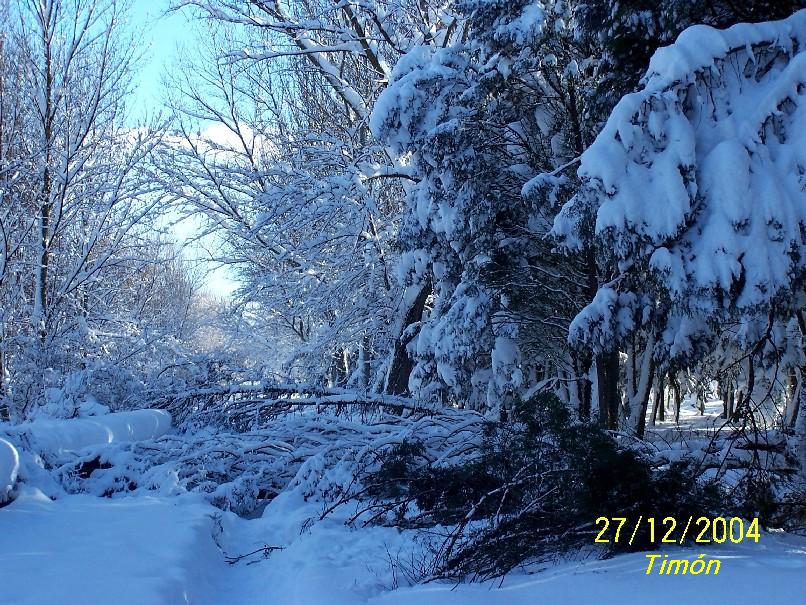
{"points": [[640, 399], [46, 193], [607, 370], [364, 360], [726, 393], [800, 432], [678, 400], [582, 366], [731, 397], [659, 402], [5, 412], [746, 395], [799, 414]]}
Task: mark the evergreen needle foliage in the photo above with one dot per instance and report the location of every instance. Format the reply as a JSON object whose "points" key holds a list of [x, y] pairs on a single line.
{"points": [[532, 491]]}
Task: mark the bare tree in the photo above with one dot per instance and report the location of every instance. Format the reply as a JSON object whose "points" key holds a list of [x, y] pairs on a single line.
{"points": [[306, 202]]}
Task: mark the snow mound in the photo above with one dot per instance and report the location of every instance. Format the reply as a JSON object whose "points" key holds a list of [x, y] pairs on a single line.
{"points": [[57, 436], [9, 467]]}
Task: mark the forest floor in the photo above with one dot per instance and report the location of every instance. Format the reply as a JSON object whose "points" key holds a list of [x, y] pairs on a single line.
{"points": [[85, 550]]}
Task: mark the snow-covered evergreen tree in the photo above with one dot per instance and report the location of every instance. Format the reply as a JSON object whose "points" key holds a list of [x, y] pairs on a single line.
{"points": [[694, 198], [477, 120]]}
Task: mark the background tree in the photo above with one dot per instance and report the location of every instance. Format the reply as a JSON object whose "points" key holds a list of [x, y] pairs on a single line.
{"points": [[303, 198], [80, 214]]}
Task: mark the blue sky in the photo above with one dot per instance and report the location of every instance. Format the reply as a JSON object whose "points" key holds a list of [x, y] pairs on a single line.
{"points": [[163, 36]]}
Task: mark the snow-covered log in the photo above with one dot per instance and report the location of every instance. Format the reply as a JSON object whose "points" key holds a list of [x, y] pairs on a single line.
{"points": [[57, 436], [9, 467]]}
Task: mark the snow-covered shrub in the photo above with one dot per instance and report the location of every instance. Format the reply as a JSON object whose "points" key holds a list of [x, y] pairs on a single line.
{"points": [[531, 491]]}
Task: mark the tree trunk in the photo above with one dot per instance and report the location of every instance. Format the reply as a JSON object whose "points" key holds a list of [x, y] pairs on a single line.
{"points": [[746, 395], [659, 403], [46, 192], [731, 397], [800, 432], [5, 412], [366, 362], [678, 400], [339, 368], [726, 392], [640, 399], [607, 374], [793, 402], [799, 413], [582, 366], [397, 380]]}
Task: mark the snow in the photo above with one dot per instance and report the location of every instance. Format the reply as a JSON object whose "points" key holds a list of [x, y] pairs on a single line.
{"points": [[82, 550], [701, 47], [153, 551], [9, 467], [142, 549], [421, 100], [522, 29], [56, 436], [700, 175], [773, 571], [321, 562]]}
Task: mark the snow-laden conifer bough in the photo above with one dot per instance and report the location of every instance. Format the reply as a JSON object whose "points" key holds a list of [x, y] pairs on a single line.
{"points": [[695, 191]]}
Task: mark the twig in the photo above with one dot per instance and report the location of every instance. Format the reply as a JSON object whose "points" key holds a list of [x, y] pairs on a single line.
{"points": [[266, 550]]}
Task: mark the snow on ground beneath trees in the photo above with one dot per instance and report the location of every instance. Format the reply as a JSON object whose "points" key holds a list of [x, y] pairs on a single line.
{"points": [[772, 571], [141, 549], [83, 550]]}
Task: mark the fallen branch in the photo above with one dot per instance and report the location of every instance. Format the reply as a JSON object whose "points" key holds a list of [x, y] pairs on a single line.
{"points": [[265, 550]]}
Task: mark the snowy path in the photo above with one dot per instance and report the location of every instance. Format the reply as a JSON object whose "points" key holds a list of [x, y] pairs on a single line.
{"points": [[82, 550]]}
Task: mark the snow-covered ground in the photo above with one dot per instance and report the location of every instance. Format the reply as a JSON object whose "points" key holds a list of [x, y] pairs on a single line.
{"points": [[83, 550], [176, 548], [773, 571]]}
